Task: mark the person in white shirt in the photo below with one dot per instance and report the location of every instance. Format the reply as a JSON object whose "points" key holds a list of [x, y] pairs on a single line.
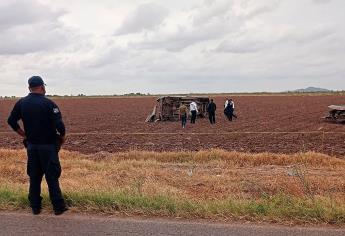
{"points": [[226, 103], [193, 107], [231, 101], [229, 109], [232, 104]]}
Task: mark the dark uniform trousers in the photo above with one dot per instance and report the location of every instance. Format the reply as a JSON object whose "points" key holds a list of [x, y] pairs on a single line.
{"points": [[44, 160], [231, 114], [184, 120], [212, 117], [193, 118]]}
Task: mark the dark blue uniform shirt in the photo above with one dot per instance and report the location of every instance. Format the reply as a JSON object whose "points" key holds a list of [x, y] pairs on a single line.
{"points": [[211, 107], [41, 118]]}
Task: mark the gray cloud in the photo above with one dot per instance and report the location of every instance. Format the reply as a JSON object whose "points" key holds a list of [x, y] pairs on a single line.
{"points": [[180, 39], [110, 57], [24, 12], [211, 11], [33, 38], [29, 26], [315, 33], [251, 41], [201, 26], [211, 20], [241, 45], [146, 17], [254, 9], [321, 1]]}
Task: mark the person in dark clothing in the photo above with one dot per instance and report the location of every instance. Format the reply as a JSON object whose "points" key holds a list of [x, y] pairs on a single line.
{"points": [[44, 133], [211, 109], [229, 110]]}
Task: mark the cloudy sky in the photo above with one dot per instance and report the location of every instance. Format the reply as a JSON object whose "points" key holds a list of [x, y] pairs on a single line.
{"points": [[165, 46]]}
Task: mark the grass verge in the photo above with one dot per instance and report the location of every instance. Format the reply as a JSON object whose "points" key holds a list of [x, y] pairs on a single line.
{"points": [[277, 208], [304, 188]]}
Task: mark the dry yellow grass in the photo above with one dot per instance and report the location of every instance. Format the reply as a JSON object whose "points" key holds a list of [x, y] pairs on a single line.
{"points": [[214, 175]]}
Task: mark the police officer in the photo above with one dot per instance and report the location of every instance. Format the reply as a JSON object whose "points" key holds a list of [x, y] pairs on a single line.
{"points": [[44, 133], [211, 109]]}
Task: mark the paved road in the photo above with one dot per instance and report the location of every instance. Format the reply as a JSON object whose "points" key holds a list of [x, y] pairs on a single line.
{"points": [[25, 224]]}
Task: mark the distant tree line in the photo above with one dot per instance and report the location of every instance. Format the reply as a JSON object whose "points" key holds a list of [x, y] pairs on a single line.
{"points": [[7, 97], [190, 94], [136, 94]]}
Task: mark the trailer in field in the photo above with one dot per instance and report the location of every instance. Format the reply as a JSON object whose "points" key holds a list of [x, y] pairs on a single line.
{"points": [[336, 113], [167, 107]]}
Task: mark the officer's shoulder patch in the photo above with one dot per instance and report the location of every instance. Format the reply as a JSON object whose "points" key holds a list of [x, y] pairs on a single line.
{"points": [[56, 110]]}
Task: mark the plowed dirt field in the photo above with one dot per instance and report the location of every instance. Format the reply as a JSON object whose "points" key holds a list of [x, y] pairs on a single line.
{"points": [[279, 124]]}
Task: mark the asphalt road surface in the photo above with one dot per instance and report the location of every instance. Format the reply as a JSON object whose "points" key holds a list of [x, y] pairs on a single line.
{"points": [[69, 224]]}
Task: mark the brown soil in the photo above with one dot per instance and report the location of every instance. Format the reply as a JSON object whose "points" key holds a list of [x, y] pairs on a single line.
{"points": [[279, 124]]}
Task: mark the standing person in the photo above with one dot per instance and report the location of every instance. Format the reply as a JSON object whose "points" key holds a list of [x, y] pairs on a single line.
{"points": [[44, 133], [232, 103], [226, 103], [211, 109], [183, 115], [193, 109], [229, 110]]}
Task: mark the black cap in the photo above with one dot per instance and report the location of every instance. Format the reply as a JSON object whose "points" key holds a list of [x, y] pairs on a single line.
{"points": [[35, 81]]}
